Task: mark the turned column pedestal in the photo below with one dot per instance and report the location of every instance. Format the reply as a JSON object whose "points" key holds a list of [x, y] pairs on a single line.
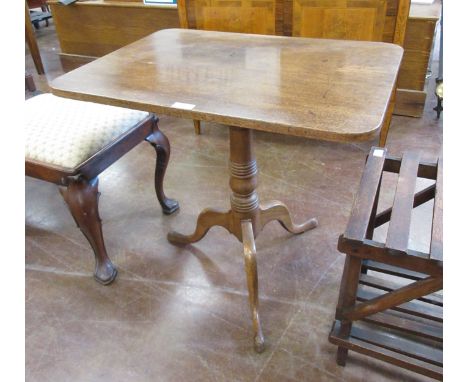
{"points": [[246, 218]]}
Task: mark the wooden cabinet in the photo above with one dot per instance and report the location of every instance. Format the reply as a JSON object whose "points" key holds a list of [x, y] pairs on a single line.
{"points": [[90, 29], [420, 30]]}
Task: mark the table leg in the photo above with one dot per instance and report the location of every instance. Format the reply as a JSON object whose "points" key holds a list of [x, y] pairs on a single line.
{"points": [[276, 210], [246, 218], [208, 218], [250, 253]]}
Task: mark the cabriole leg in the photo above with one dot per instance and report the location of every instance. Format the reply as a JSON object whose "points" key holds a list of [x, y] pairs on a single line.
{"points": [[82, 198], [163, 152]]}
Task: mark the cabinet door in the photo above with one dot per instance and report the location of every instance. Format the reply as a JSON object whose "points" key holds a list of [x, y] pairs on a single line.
{"points": [[339, 19], [243, 16]]}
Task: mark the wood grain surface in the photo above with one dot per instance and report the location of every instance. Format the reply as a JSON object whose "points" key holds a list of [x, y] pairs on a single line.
{"points": [[96, 28], [249, 16], [324, 89], [339, 19]]}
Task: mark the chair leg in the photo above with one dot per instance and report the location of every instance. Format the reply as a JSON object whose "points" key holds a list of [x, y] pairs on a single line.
{"points": [[197, 126], [163, 152], [364, 268], [346, 300], [29, 82], [439, 107], [82, 198]]}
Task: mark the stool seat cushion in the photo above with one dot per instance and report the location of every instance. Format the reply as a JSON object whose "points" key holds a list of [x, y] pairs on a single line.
{"points": [[65, 133]]}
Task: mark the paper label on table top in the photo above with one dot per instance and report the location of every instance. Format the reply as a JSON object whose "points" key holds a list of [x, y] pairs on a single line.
{"points": [[378, 153], [181, 105], [422, 1], [157, 2]]}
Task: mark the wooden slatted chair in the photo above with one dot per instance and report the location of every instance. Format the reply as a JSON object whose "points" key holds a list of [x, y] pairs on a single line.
{"points": [[242, 16], [397, 322], [70, 143], [368, 20]]}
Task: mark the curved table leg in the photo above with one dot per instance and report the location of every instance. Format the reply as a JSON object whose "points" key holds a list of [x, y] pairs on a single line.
{"points": [[163, 151], [252, 282], [207, 219], [276, 210]]}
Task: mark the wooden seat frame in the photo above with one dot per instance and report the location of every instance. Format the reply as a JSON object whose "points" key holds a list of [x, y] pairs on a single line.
{"points": [[79, 186], [397, 323]]}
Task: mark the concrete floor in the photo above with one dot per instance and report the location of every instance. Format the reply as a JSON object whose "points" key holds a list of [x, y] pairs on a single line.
{"points": [[181, 314]]}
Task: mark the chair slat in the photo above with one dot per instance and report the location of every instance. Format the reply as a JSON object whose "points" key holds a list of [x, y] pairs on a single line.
{"points": [[366, 197], [437, 220], [407, 324], [405, 346], [420, 197], [427, 170], [383, 353], [394, 270], [399, 228]]}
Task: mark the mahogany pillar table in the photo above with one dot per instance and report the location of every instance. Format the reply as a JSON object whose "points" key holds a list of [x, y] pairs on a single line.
{"points": [[323, 89]]}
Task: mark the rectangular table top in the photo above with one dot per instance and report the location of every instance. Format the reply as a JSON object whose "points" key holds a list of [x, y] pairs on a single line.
{"points": [[325, 89]]}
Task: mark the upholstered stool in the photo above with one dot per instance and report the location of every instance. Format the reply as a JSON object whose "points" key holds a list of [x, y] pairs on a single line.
{"points": [[70, 143]]}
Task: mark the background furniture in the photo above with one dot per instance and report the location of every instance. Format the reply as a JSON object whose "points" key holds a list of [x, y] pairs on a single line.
{"points": [[349, 19], [32, 43], [419, 40], [394, 321], [204, 75], [439, 90], [94, 28], [29, 82], [227, 16], [38, 4], [70, 143], [38, 16]]}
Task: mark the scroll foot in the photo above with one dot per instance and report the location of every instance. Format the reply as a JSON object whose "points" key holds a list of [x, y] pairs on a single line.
{"points": [[278, 211], [207, 219]]}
